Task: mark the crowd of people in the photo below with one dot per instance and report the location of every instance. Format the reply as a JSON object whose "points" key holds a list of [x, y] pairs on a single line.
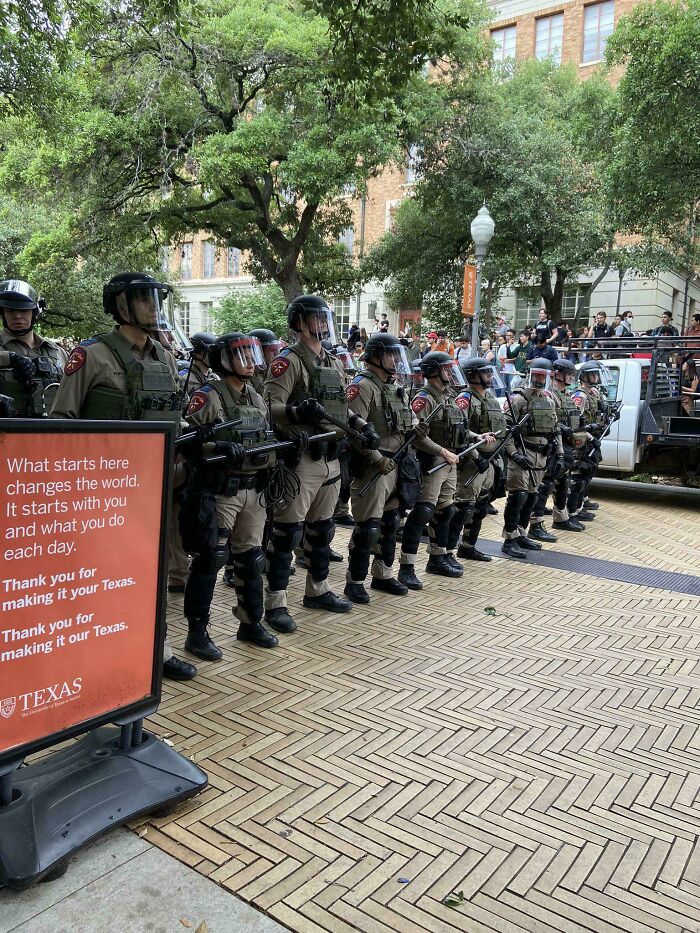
{"points": [[279, 441]]}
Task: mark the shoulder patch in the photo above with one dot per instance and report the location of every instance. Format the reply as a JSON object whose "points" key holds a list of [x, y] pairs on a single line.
{"points": [[463, 401], [198, 401], [418, 404], [352, 391], [278, 367], [75, 361], [89, 342]]}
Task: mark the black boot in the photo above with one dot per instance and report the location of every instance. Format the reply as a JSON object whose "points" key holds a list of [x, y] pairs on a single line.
{"points": [[176, 587], [538, 532], [591, 506], [256, 634], [199, 643], [280, 620], [407, 576], [356, 593], [569, 525], [527, 545], [453, 562], [329, 602], [227, 578], [469, 552], [389, 585], [335, 557], [510, 546], [584, 516], [441, 567], [177, 669], [491, 510]]}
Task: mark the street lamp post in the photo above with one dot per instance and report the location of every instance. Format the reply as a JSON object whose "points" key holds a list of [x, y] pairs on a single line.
{"points": [[482, 230]]}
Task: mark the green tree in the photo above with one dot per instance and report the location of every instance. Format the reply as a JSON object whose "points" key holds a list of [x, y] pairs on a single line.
{"points": [[531, 146], [246, 311], [236, 119]]}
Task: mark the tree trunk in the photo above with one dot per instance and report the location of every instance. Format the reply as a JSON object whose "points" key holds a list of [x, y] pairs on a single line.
{"points": [[553, 296]]}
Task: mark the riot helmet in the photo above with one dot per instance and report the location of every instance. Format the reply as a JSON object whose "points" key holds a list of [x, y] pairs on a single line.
{"points": [[18, 296], [202, 342], [311, 314], [417, 380], [136, 298], [540, 373], [345, 357], [481, 374], [594, 373], [564, 371], [439, 365], [270, 343], [386, 353], [236, 354]]}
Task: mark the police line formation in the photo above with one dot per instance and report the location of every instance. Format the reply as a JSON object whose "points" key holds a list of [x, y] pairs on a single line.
{"points": [[275, 442]]}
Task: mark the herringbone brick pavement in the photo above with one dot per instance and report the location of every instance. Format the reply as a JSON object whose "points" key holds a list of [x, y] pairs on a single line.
{"points": [[543, 761]]}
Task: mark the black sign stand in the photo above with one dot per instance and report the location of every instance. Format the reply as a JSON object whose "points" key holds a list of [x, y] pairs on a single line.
{"points": [[117, 770]]}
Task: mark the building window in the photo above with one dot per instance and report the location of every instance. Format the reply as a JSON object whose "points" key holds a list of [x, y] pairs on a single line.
{"points": [[598, 24], [183, 316], [186, 262], [347, 239], [576, 305], [527, 305], [549, 32], [504, 42], [413, 164], [341, 313], [233, 261], [206, 315], [208, 260]]}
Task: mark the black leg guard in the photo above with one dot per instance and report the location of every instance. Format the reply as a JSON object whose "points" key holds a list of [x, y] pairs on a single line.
{"points": [[199, 589], [248, 568], [440, 527], [364, 536], [481, 510], [386, 547], [526, 509], [561, 492], [284, 538], [317, 546], [543, 493], [461, 517], [511, 513], [420, 515]]}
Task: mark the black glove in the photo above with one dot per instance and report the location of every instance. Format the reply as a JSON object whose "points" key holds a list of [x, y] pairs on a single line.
{"points": [[421, 430], [615, 415], [566, 432], [302, 441], [558, 468], [310, 411], [522, 461], [481, 463], [370, 438], [595, 444], [515, 431], [7, 407], [234, 453], [22, 367]]}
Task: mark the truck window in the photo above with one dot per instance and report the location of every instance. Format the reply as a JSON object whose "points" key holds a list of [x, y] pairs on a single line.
{"points": [[614, 386]]}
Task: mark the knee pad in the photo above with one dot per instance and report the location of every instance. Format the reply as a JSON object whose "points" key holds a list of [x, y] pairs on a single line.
{"points": [[250, 564], [366, 534], [320, 532], [440, 526], [422, 513], [389, 522], [286, 536], [221, 554], [481, 509], [319, 536], [419, 517]]}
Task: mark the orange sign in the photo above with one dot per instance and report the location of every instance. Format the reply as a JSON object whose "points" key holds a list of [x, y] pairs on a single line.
{"points": [[80, 531], [469, 294]]}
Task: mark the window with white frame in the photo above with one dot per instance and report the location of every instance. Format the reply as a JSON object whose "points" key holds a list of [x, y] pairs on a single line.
{"points": [[346, 238], [233, 261], [504, 44], [413, 163], [549, 33], [527, 306], [576, 304], [208, 260], [186, 262], [183, 316], [598, 24], [206, 315], [341, 313]]}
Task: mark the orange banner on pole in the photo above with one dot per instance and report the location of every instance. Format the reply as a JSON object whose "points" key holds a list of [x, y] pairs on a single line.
{"points": [[81, 524], [469, 294]]}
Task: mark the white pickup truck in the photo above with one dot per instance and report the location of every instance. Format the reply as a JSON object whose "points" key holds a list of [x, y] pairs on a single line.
{"points": [[652, 434]]}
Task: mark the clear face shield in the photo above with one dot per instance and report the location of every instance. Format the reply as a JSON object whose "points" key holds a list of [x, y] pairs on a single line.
{"points": [[539, 379], [241, 355], [320, 325], [486, 378], [271, 351], [452, 375], [345, 357], [144, 306], [565, 376], [598, 378], [395, 362]]}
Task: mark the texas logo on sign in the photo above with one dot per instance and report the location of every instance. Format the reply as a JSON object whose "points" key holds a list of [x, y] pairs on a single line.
{"points": [[7, 707]]}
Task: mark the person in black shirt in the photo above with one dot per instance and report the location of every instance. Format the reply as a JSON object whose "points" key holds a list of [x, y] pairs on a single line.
{"points": [[545, 326], [666, 329], [601, 328]]}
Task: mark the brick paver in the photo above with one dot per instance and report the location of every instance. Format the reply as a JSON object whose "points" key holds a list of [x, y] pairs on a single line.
{"points": [[544, 761]]}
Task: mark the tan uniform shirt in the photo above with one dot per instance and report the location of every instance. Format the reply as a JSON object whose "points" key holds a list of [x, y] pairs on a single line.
{"points": [[423, 405], [43, 348], [94, 364]]}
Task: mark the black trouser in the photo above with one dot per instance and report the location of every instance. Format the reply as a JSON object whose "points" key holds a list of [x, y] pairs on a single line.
{"points": [[519, 506]]}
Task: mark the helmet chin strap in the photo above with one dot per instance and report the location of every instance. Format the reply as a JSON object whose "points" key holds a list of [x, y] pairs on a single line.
{"points": [[21, 332]]}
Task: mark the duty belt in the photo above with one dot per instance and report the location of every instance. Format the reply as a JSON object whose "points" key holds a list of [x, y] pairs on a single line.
{"points": [[537, 447]]}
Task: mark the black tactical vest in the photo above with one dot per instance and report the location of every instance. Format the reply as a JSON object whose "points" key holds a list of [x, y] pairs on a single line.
{"points": [[36, 399]]}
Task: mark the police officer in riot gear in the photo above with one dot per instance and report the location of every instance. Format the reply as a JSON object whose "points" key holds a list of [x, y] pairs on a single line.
{"points": [[574, 442], [540, 437], [225, 497], [378, 394], [303, 383], [31, 366], [448, 432], [197, 371], [476, 477], [271, 348], [127, 375], [590, 397]]}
